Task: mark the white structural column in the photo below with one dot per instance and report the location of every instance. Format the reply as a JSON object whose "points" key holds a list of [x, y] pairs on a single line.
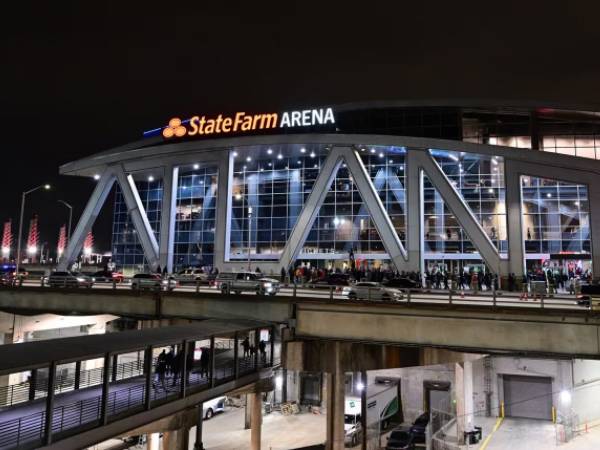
{"points": [[374, 205], [223, 212], [414, 211], [307, 217], [514, 218], [167, 218], [138, 217], [463, 214], [87, 219]]}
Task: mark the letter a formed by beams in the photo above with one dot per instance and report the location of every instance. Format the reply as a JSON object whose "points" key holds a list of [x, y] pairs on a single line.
{"points": [[93, 207], [461, 211], [370, 197]]}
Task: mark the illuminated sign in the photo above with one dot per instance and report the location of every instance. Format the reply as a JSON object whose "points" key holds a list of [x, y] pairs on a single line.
{"points": [[241, 122]]}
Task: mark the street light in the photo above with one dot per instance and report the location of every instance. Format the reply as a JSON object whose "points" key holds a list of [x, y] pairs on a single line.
{"points": [[70, 219], [41, 186]]}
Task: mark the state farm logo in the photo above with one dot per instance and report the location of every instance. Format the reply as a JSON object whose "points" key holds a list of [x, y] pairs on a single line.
{"points": [[241, 122], [175, 128]]}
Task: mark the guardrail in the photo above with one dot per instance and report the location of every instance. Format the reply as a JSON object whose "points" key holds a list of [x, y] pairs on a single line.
{"points": [[28, 431], [533, 297]]}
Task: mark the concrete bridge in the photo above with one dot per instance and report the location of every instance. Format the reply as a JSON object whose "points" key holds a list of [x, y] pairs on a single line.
{"points": [[510, 325]]}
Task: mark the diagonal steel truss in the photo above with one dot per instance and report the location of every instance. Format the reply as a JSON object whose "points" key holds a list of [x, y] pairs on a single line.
{"points": [[419, 162]]}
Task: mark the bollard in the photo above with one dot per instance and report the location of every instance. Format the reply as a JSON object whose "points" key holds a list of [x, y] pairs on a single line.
{"points": [[197, 286], [331, 293], [408, 296], [42, 281], [114, 283], [450, 296], [294, 292]]}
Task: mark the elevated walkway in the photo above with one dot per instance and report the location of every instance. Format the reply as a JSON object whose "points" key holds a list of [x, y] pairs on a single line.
{"points": [[68, 408]]}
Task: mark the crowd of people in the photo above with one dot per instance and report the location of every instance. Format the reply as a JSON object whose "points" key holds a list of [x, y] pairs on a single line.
{"points": [[169, 364]]}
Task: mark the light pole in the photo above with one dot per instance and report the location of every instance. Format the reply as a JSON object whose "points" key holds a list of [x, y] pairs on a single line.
{"points": [[249, 233], [70, 219], [44, 186]]}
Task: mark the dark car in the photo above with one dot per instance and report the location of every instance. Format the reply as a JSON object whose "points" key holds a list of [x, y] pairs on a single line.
{"points": [[418, 428], [106, 276], [335, 279], [401, 439], [401, 283], [588, 291]]}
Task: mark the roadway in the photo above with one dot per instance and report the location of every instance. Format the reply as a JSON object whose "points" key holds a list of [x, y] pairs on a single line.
{"points": [[561, 301]]}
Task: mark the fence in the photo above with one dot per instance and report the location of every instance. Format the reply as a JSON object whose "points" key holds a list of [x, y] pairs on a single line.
{"points": [[444, 431]]}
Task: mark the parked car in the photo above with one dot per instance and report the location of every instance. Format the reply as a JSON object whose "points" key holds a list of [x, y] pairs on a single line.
{"points": [[334, 279], [590, 293], [152, 281], [400, 439], [69, 279], [106, 276], [239, 282], [192, 276], [370, 290], [214, 406], [401, 283], [418, 428]]}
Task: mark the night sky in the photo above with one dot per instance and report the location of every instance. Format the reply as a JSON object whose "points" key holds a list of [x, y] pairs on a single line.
{"points": [[81, 77]]}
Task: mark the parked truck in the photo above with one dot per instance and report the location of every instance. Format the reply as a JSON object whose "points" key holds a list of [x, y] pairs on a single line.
{"points": [[382, 404]]}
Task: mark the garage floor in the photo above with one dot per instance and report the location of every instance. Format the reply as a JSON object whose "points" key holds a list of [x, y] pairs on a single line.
{"points": [[524, 434], [226, 431]]}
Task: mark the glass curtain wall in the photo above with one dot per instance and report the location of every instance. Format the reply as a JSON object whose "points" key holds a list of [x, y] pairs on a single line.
{"points": [[556, 222], [479, 180], [195, 217], [127, 252], [274, 183]]}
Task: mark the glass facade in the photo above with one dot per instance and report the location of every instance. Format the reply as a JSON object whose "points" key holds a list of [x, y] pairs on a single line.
{"points": [[274, 183], [479, 180], [270, 185], [555, 217], [195, 217], [126, 248]]}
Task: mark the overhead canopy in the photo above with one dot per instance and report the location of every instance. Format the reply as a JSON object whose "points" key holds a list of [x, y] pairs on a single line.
{"points": [[28, 355]]}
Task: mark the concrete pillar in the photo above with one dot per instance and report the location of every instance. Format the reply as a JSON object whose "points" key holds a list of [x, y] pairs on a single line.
{"points": [[459, 392], [336, 391], [248, 411], [152, 441], [256, 421], [199, 423], [516, 252], [176, 439], [468, 391], [414, 204]]}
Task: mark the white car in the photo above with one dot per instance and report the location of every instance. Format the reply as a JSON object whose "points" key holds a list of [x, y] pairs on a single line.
{"points": [[211, 407], [369, 290]]}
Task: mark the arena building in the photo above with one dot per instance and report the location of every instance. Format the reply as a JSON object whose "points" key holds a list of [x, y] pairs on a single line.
{"points": [[440, 185]]}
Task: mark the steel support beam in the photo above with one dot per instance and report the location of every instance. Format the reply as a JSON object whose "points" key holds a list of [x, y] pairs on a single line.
{"points": [[463, 214], [307, 217], [49, 404], [138, 217], [414, 212], [375, 206], [514, 219], [87, 219], [223, 212], [167, 218], [105, 388]]}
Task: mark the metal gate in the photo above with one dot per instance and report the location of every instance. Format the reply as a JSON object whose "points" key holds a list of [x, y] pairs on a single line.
{"points": [[528, 397]]}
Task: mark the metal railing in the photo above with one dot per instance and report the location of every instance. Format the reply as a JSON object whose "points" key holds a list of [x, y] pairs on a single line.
{"points": [[67, 418], [530, 297]]}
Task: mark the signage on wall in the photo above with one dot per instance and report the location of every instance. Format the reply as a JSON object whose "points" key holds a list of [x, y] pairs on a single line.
{"points": [[241, 122]]}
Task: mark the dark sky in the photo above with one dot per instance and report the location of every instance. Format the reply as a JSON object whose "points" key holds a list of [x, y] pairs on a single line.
{"points": [[80, 77]]}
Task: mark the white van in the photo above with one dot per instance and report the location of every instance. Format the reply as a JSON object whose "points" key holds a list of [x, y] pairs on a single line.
{"points": [[382, 404], [211, 407]]}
